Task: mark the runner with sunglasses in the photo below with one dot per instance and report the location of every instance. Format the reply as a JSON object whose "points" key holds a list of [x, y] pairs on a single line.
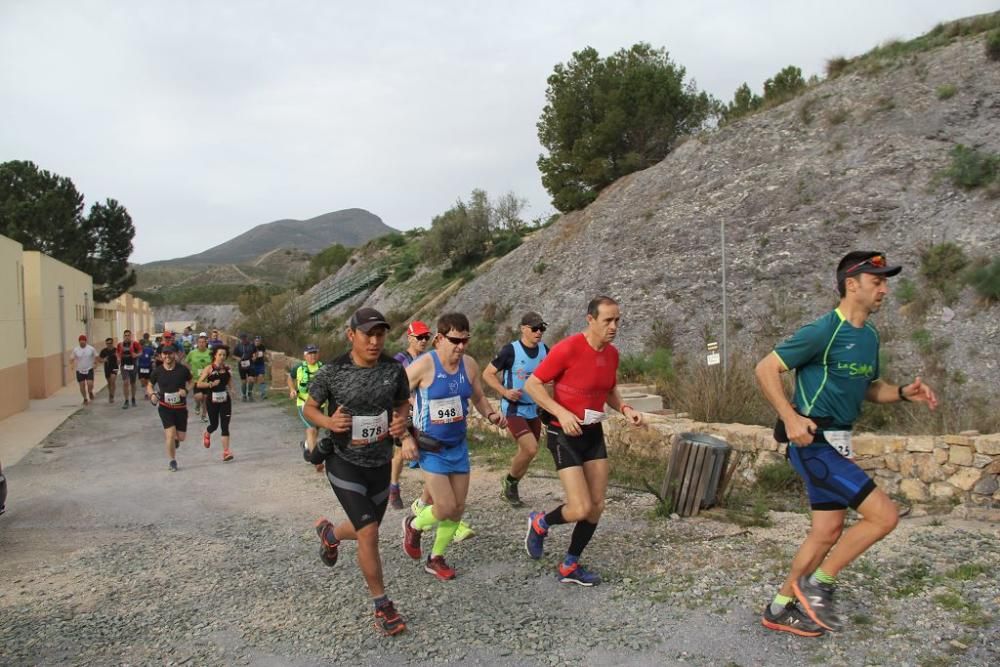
{"points": [[417, 337], [583, 370], [516, 361], [836, 364], [447, 381]]}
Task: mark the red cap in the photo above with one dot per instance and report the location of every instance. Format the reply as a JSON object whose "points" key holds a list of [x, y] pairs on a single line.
{"points": [[417, 328], [82, 337], [168, 334]]}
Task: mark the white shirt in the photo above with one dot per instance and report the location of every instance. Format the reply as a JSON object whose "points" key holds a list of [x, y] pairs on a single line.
{"points": [[84, 357]]}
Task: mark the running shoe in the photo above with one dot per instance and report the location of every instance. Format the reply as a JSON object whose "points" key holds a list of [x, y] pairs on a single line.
{"points": [[464, 531], [204, 417], [387, 619], [329, 545], [206, 439], [791, 619], [575, 574], [411, 539], [534, 540], [125, 405], [133, 401], [173, 465], [508, 492], [435, 565], [250, 397], [226, 456], [817, 602], [395, 502]]}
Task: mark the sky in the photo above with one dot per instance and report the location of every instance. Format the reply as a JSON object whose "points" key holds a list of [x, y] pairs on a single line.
{"points": [[205, 119]]}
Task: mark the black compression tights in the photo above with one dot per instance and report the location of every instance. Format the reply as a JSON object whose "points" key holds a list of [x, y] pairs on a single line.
{"points": [[217, 412]]}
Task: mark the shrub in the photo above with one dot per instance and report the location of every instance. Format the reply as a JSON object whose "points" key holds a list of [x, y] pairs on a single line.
{"points": [[985, 279], [971, 168], [946, 91], [993, 45], [777, 477], [942, 265], [539, 268], [836, 66], [505, 244], [906, 291], [837, 116]]}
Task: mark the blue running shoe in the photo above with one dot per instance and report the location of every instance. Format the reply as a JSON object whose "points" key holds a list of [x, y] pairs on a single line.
{"points": [[534, 540], [574, 574]]}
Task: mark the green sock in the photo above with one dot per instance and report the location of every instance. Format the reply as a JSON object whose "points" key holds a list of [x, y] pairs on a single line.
{"points": [[425, 519], [445, 534], [824, 578], [782, 600]]}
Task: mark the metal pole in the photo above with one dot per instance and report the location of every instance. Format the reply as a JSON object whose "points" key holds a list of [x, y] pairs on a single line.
{"points": [[725, 313]]}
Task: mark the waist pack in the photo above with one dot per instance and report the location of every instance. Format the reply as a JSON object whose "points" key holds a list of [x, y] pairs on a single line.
{"points": [[429, 444]]}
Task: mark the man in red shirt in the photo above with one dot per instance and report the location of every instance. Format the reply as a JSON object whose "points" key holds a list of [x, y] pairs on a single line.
{"points": [[583, 370]]}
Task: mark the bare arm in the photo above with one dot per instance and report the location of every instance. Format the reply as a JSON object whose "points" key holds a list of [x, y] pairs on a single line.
{"points": [[493, 382], [880, 391], [478, 397], [540, 395], [800, 429], [615, 401]]}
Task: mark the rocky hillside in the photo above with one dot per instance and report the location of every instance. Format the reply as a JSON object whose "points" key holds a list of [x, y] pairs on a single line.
{"points": [[854, 162]]}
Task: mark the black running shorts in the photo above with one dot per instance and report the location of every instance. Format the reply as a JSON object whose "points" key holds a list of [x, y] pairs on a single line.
{"points": [[362, 492], [569, 451], [174, 417], [83, 377]]}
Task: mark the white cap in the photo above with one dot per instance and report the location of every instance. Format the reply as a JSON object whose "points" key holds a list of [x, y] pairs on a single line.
{"points": [[203, 335]]}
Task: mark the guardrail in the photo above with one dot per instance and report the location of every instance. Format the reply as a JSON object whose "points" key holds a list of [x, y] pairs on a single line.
{"points": [[344, 289]]}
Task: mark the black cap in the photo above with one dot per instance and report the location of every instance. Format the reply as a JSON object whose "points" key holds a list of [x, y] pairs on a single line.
{"points": [[866, 261], [532, 319], [367, 319], [168, 348]]}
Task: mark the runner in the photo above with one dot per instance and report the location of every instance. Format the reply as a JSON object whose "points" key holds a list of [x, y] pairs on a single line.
{"points": [[109, 355], [173, 380], [167, 339], [417, 337], [82, 359], [129, 352], [215, 340], [363, 387], [145, 340], [836, 363], [259, 367], [446, 380], [198, 359], [216, 381], [583, 370], [244, 354], [187, 340], [145, 363], [298, 381], [516, 361]]}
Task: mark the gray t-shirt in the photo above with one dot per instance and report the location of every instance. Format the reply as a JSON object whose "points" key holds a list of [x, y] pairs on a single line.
{"points": [[369, 395]]}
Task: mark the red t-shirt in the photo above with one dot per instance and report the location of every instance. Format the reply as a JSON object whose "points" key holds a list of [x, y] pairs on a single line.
{"points": [[582, 377]]}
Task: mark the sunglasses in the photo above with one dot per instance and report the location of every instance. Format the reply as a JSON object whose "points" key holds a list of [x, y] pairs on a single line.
{"points": [[876, 262], [457, 341], [423, 337], [537, 329]]}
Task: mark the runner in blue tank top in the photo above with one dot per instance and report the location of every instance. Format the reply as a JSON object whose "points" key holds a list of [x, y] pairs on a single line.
{"points": [[836, 368], [516, 362], [447, 381]]}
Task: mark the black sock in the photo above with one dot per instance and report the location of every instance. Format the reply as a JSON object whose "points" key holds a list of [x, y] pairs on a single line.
{"points": [[555, 517], [582, 532], [512, 480]]}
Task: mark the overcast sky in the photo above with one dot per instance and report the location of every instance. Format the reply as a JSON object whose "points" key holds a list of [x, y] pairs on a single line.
{"points": [[207, 118]]}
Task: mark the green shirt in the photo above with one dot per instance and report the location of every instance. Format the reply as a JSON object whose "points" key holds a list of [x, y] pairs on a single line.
{"points": [[198, 360], [303, 374], [835, 363]]}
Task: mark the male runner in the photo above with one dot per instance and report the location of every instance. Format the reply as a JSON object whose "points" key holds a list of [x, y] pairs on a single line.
{"points": [[145, 362], [446, 380], [836, 362], [245, 357], [82, 359], [215, 340], [128, 352], [173, 380], [299, 377], [517, 361], [198, 359], [187, 340], [417, 337], [368, 395], [583, 370], [109, 355], [259, 367]]}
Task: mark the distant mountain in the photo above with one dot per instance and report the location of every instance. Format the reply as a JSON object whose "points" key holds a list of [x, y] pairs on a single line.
{"points": [[350, 227]]}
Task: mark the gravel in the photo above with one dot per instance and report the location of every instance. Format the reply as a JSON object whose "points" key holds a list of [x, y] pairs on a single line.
{"points": [[108, 558]]}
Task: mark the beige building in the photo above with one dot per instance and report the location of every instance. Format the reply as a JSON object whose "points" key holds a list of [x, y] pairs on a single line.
{"points": [[58, 308], [126, 312], [13, 332]]}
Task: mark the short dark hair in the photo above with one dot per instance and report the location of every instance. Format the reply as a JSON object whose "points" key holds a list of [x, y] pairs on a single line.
{"points": [[597, 302], [109, 340], [127, 331], [849, 260], [452, 322], [220, 347]]}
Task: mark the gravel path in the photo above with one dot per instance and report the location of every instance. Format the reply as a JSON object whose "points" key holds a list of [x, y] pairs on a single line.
{"points": [[108, 558]]}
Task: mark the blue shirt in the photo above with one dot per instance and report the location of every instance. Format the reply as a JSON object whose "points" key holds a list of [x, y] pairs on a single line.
{"points": [[439, 417]]}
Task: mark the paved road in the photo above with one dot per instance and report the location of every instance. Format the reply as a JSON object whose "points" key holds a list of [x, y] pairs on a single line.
{"points": [[108, 558]]}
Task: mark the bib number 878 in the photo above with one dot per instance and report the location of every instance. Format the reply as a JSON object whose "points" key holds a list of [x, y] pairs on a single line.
{"points": [[371, 432]]}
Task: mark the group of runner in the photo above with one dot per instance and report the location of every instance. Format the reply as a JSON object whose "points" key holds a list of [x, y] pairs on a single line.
{"points": [[170, 368], [420, 402]]}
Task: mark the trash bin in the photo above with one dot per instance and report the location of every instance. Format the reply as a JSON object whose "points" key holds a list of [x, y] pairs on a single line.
{"points": [[697, 462]]}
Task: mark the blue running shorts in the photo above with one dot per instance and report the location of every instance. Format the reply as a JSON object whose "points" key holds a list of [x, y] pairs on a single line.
{"points": [[447, 460], [832, 481]]}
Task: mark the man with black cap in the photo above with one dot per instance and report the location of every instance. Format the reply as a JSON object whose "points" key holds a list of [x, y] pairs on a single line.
{"points": [[244, 354], [173, 381], [367, 397], [516, 361], [836, 364]]}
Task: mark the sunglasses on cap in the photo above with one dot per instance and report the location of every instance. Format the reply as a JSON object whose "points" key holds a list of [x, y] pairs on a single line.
{"points": [[457, 341], [424, 337], [876, 262]]}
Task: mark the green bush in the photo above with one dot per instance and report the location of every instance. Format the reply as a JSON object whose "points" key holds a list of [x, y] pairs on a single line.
{"points": [[836, 66], [985, 279], [777, 477], [906, 291], [505, 244], [946, 91], [993, 45], [942, 265], [971, 168], [539, 268]]}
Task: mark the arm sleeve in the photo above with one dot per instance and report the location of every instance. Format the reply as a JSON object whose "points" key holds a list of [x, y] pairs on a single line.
{"points": [[504, 360], [803, 346], [554, 363]]}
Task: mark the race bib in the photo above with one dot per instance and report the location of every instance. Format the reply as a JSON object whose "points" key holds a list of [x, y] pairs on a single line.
{"points": [[841, 441], [260, 355], [446, 410], [172, 398], [244, 363], [219, 396], [593, 417], [145, 371], [128, 367], [366, 430]]}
